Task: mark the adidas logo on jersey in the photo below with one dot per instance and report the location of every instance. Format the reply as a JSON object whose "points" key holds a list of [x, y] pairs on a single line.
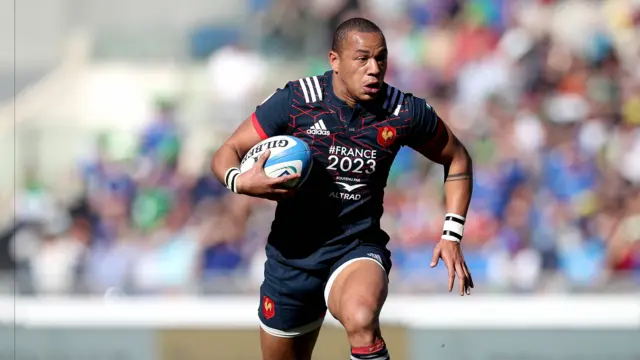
{"points": [[318, 129]]}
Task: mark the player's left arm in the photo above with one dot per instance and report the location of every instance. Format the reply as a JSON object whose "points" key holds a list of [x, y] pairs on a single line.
{"points": [[447, 150], [432, 138]]}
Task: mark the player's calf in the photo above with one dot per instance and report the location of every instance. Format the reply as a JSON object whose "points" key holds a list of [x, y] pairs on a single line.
{"points": [[359, 318], [355, 298], [288, 348]]}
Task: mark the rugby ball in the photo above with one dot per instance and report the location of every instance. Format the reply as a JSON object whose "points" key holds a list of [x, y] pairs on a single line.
{"points": [[289, 155]]}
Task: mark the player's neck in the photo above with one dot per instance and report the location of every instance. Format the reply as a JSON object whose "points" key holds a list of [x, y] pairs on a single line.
{"points": [[340, 90]]}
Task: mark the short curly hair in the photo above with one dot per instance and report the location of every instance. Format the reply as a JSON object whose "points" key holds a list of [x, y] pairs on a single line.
{"points": [[353, 24]]}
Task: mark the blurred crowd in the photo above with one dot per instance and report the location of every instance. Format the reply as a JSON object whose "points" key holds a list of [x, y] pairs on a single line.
{"points": [[545, 95]]}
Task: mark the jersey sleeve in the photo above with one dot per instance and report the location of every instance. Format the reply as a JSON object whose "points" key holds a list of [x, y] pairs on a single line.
{"points": [[425, 123], [271, 118]]}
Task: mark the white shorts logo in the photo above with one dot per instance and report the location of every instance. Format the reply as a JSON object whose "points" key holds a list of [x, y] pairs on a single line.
{"points": [[376, 257]]}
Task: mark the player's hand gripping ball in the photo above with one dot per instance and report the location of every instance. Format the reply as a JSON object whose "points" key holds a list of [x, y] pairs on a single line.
{"points": [[288, 156]]}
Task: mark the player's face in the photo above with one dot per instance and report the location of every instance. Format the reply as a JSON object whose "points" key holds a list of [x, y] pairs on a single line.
{"points": [[361, 64]]}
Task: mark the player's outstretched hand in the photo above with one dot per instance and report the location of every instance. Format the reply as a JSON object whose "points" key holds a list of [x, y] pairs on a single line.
{"points": [[256, 183], [451, 254]]}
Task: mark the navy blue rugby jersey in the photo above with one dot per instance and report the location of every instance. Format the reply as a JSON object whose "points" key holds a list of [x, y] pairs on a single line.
{"points": [[341, 202]]}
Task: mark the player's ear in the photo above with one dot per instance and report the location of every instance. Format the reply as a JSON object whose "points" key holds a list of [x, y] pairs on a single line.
{"points": [[334, 60]]}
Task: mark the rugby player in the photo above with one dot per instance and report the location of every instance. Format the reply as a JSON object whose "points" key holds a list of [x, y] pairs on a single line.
{"points": [[326, 248]]}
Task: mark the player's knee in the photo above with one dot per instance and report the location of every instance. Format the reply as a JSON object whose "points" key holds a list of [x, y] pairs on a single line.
{"points": [[361, 323]]}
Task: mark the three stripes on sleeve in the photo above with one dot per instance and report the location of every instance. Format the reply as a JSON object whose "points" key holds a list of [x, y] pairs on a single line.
{"points": [[311, 89], [312, 92]]}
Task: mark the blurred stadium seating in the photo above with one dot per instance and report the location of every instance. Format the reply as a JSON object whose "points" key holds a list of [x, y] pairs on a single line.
{"points": [[112, 188]]}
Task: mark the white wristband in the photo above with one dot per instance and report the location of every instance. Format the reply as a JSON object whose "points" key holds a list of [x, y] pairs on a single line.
{"points": [[453, 227], [230, 178]]}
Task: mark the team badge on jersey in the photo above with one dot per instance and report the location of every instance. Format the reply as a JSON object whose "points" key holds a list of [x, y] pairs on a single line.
{"points": [[386, 136], [268, 308]]}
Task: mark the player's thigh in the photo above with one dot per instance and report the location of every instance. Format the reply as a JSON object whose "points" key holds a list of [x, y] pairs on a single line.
{"points": [[359, 284], [291, 348]]}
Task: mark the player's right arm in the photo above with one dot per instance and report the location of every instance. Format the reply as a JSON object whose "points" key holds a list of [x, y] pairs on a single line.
{"points": [[269, 119]]}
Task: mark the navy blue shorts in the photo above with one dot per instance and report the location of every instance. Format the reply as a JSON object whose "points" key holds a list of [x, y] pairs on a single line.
{"points": [[293, 301]]}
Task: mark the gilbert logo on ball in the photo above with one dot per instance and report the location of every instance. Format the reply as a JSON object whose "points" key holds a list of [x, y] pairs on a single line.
{"points": [[289, 155]]}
